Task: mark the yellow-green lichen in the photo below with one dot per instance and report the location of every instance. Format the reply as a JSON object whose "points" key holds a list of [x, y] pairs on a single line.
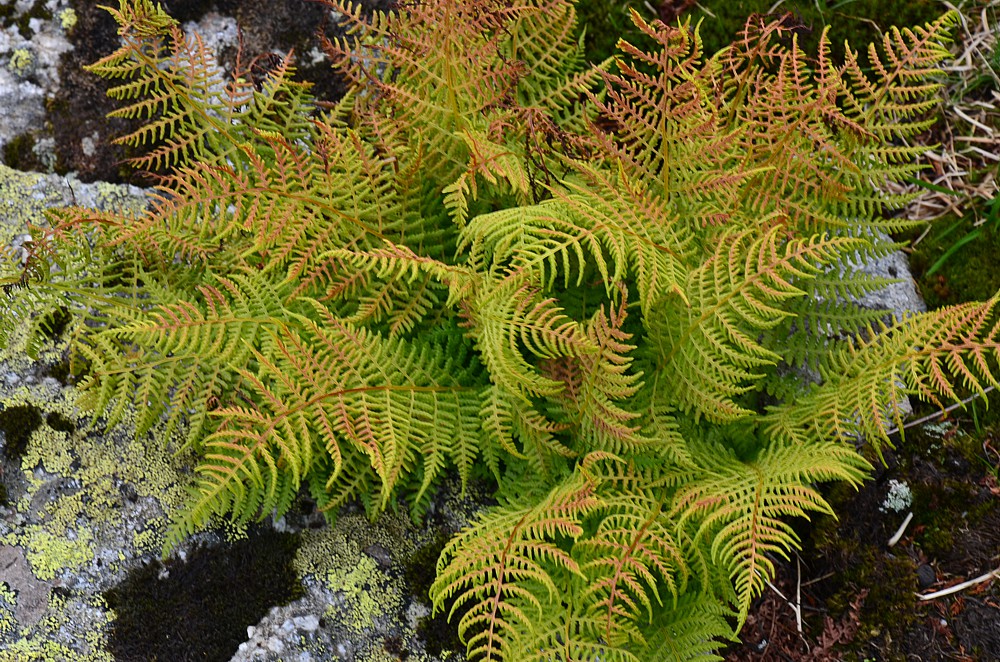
{"points": [[21, 61], [338, 559], [67, 18], [50, 554], [8, 601], [44, 644]]}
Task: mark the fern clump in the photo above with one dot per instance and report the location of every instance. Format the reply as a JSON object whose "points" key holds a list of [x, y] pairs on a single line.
{"points": [[588, 284]]}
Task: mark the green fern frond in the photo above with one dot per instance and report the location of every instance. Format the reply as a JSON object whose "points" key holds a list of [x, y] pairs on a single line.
{"points": [[711, 347], [172, 83], [609, 227], [158, 357], [507, 325], [501, 567], [741, 505], [864, 385], [330, 385], [564, 635], [632, 553], [692, 630]]}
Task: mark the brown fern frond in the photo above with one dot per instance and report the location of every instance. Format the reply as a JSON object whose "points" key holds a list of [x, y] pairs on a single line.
{"points": [[667, 132], [595, 385]]}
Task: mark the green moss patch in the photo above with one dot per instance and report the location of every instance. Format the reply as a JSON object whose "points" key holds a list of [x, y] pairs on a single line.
{"points": [[967, 274], [17, 423], [860, 23], [20, 153], [199, 609], [437, 633]]}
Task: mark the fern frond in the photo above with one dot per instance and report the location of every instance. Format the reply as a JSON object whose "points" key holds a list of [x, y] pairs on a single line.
{"points": [[711, 348], [603, 223], [596, 384], [893, 104], [667, 133], [493, 163], [172, 83], [741, 506], [692, 630], [631, 554], [328, 385], [565, 635], [501, 567], [509, 324], [159, 356], [864, 385]]}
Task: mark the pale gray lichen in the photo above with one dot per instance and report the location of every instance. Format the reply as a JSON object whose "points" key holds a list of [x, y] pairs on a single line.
{"points": [[898, 498]]}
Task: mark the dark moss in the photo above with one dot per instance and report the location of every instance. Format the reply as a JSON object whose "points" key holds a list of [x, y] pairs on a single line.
{"points": [[17, 424], [394, 646], [419, 568], [859, 23], [437, 633], [889, 580], [603, 22], [968, 274], [187, 10], [3, 495], [201, 607], [9, 16], [78, 110], [60, 423], [19, 153]]}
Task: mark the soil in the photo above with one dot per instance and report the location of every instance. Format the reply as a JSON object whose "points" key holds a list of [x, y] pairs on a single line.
{"points": [[858, 595]]}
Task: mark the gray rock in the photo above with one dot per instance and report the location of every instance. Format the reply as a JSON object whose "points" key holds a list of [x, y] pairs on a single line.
{"points": [[29, 69]]}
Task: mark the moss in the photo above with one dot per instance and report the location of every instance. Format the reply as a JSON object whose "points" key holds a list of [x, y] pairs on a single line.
{"points": [[890, 605], [79, 107], [17, 423], [968, 275], [60, 423], [603, 22], [859, 23], [199, 609], [19, 153], [9, 16], [438, 633]]}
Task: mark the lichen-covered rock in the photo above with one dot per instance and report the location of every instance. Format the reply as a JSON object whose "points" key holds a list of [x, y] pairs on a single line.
{"points": [[33, 36]]}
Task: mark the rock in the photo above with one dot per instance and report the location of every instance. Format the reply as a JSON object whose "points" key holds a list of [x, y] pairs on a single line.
{"points": [[926, 576]]}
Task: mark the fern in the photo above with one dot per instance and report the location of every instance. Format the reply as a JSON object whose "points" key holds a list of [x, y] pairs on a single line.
{"points": [[591, 285]]}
